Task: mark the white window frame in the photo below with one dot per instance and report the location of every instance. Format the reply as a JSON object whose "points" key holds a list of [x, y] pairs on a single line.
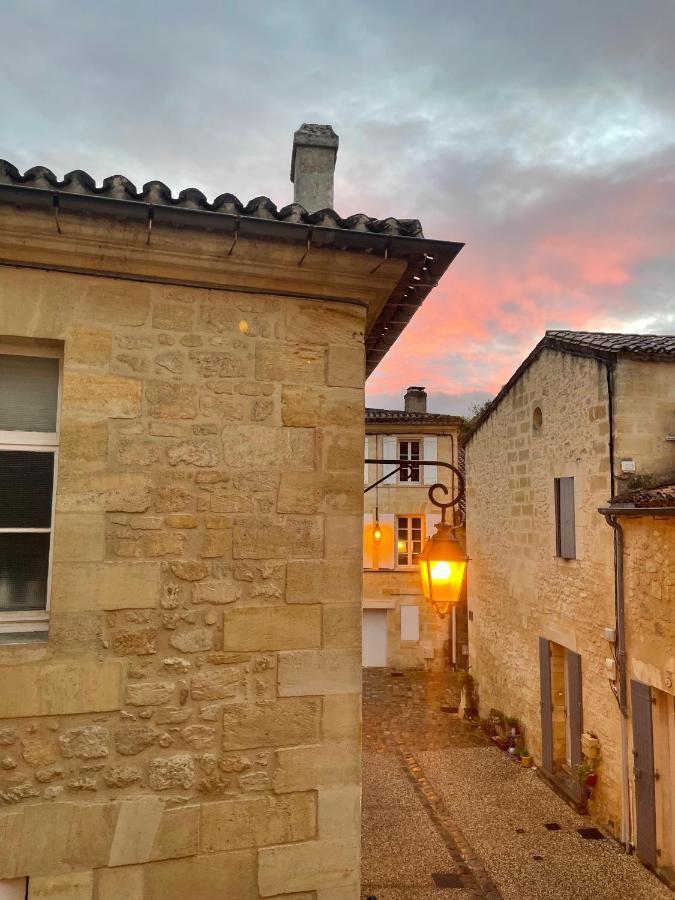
{"points": [[33, 620], [409, 517], [407, 439]]}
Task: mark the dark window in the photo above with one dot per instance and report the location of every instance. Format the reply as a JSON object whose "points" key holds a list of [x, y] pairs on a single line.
{"points": [[28, 443], [565, 532], [409, 450]]}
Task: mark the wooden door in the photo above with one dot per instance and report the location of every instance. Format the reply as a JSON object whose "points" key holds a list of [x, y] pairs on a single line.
{"points": [[643, 772]]}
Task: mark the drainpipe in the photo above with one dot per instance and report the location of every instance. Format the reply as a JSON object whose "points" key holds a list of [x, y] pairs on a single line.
{"points": [[620, 656], [620, 624]]}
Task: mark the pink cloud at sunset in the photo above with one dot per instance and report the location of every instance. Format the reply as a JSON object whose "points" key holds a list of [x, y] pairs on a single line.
{"points": [[540, 134]]}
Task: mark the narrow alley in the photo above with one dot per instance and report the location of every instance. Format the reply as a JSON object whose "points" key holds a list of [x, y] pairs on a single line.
{"points": [[446, 814]]}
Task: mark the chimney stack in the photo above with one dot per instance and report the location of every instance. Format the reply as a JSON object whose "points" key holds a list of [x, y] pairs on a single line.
{"points": [[313, 166], [416, 400]]}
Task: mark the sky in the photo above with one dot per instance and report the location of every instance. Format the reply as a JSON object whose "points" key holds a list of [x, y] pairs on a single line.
{"points": [[540, 133]]}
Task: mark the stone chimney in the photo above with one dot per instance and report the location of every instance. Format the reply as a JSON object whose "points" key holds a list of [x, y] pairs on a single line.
{"points": [[416, 400], [313, 166]]}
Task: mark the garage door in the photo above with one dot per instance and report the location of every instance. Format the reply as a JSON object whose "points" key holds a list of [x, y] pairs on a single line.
{"points": [[374, 637]]}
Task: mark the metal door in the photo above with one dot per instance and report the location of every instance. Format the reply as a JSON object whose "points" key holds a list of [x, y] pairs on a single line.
{"points": [[375, 637], [546, 705], [643, 771]]}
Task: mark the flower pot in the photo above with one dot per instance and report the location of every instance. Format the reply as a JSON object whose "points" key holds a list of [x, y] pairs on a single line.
{"points": [[526, 761], [590, 745]]}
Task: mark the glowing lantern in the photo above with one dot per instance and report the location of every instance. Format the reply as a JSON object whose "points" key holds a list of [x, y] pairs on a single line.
{"points": [[377, 532], [442, 567]]}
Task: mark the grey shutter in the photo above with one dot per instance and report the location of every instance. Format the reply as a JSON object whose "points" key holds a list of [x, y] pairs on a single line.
{"points": [[643, 752], [565, 524], [546, 705], [574, 713]]}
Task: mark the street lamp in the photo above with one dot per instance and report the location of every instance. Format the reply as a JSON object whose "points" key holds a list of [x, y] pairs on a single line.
{"points": [[442, 568]]}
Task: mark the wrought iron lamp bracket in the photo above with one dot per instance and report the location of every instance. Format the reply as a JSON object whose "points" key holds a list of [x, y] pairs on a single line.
{"points": [[403, 464]]}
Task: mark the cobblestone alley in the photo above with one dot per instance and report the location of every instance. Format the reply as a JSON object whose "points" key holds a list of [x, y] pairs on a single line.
{"points": [[448, 815]]}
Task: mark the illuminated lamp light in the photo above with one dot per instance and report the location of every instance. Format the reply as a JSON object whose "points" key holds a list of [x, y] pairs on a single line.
{"points": [[442, 568]]}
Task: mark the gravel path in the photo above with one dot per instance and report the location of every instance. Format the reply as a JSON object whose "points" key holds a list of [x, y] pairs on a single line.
{"points": [[439, 798]]}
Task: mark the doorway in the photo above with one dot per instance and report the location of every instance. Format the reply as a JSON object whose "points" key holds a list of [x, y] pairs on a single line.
{"points": [[374, 638], [561, 714]]}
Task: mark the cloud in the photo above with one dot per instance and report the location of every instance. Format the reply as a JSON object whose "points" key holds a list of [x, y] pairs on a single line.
{"points": [[541, 134]]}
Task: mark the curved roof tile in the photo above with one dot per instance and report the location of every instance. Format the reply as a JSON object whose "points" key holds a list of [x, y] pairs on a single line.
{"points": [[117, 187]]}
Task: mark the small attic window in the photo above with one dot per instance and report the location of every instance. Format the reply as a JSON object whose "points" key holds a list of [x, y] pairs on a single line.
{"points": [[537, 420]]}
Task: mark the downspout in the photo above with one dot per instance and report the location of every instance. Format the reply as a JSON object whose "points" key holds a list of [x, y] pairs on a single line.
{"points": [[620, 624], [453, 621]]}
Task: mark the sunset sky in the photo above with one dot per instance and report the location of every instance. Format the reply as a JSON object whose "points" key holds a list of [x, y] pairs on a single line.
{"points": [[540, 133]]}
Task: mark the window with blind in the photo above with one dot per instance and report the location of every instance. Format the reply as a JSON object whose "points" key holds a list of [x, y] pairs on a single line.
{"points": [[565, 527], [409, 450], [408, 540], [29, 403]]}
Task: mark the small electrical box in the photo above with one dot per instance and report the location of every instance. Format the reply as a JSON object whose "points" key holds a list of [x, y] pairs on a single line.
{"points": [[609, 634], [627, 465]]}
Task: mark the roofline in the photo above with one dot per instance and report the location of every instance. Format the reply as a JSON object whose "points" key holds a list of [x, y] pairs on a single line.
{"points": [[549, 342], [427, 260], [637, 511]]}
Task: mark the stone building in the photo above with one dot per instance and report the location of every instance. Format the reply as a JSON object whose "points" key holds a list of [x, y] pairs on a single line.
{"points": [[646, 531], [581, 417], [400, 629], [181, 438]]}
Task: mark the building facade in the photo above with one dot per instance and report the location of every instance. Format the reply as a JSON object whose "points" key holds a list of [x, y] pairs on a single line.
{"points": [[583, 416], [181, 430], [400, 629], [645, 522]]}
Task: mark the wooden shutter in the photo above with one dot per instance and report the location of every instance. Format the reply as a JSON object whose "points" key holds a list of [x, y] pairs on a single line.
{"points": [[546, 705], [574, 711], [643, 753], [389, 451], [368, 521], [430, 451], [387, 559], [566, 544]]}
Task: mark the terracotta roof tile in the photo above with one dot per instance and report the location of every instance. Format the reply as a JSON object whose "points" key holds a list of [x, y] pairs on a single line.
{"points": [[117, 187]]}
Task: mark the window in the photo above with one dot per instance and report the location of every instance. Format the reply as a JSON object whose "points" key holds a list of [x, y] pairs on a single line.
{"points": [[29, 403], [408, 540], [409, 450], [565, 532]]}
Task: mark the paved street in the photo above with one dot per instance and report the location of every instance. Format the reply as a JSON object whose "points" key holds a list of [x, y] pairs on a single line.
{"points": [[448, 815]]}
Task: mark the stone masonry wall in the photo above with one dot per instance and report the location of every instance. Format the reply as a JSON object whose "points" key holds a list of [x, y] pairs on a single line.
{"points": [[645, 416], [518, 590], [192, 726]]}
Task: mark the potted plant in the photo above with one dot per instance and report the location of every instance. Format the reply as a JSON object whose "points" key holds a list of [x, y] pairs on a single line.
{"points": [[525, 758], [587, 775], [467, 703]]}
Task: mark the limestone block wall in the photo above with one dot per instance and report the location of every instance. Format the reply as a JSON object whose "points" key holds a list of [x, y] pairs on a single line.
{"points": [[649, 586], [518, 590], [645, 415], [191, 728]]}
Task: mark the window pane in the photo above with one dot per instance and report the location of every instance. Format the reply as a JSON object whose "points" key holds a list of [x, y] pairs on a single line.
{"points": [[28, 393], [26, 481], [24, 563]]}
